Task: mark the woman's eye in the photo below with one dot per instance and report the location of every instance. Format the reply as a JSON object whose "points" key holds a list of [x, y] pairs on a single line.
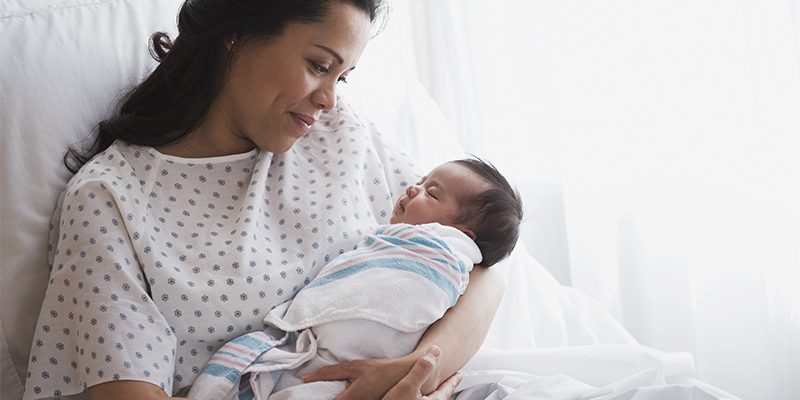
{"points": [[319, 68], [342, 79]]}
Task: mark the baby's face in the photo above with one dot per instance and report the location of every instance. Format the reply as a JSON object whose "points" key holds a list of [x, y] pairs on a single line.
{"points": [[435, 198]]}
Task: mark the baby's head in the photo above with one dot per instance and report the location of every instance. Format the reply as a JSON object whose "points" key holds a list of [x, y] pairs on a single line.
{"points": [[470, 195]]}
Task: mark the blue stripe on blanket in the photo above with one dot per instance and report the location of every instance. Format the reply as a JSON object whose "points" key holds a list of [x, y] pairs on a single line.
{"points": [[368, 241], [221, 371], [240, 357], [418, 238], [403, 244], [458, 268], [407, 244], [394, 229], [401, 264], [433, 243], [251, 342], [230, 373]]}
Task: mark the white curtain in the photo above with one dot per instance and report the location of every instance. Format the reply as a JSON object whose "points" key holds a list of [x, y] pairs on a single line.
{"points": [[657, 148]]}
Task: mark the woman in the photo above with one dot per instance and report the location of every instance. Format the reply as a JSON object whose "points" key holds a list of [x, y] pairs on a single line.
{"points": [[224, 182]]}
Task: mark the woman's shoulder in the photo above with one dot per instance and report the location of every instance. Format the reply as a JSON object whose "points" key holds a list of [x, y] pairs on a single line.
{"points": [[114, 166]]}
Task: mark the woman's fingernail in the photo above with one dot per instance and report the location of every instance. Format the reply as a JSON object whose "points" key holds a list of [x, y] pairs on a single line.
{"points": [[306, 377], [434, 351]]}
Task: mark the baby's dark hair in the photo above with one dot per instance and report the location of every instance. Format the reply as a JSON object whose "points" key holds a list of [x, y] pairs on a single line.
{"points": [[494, 215]]}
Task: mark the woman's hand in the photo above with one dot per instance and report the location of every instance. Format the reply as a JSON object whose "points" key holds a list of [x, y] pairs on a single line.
{"points": [[410, 386], [397, 379]]}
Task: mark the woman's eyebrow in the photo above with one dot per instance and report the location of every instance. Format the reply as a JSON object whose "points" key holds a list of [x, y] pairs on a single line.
{"points": [[332, 52]]}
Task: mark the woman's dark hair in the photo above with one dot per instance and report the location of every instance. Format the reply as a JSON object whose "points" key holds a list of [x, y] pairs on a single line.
{"points": [[494, 215], [175, 98]]}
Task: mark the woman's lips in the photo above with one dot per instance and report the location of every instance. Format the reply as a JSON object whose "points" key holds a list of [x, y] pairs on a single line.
{"points": [[304, 122]]}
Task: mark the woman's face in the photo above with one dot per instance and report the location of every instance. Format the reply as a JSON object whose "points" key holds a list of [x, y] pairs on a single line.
{"points": [[277, 90]]}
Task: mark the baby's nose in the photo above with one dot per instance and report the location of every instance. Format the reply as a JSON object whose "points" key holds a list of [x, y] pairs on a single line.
{"points": [[412, 191]]}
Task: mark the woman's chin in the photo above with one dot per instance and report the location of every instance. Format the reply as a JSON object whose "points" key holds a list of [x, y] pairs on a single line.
{"points": [[282, 147]]}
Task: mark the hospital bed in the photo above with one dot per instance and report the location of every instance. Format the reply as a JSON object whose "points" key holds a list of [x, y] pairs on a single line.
{"points": [[63, 63]]}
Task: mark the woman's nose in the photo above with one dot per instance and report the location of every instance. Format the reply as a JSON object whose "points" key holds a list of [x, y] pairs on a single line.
{"points": [[325, 96]]}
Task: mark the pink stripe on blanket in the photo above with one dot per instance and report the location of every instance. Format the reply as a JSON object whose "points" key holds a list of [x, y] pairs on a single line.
{"points": [[230, 362], [397, 251]]}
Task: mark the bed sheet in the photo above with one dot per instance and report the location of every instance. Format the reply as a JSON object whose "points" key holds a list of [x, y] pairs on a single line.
{"points": [[59, 73], [538, 312], [550, 341], [624, 371]]}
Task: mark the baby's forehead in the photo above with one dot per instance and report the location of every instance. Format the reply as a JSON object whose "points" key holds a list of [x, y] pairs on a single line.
{"points": [[459, 179], [451, 170]]}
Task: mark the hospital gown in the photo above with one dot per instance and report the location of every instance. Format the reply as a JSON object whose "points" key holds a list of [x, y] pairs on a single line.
{"points": [[157, 261]]}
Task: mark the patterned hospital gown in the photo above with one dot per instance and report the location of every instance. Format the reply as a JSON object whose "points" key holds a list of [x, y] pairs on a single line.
{"points": [[157, 261]]}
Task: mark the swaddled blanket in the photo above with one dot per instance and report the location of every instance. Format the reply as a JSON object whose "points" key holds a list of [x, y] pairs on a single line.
{"points": [[373, 302]]}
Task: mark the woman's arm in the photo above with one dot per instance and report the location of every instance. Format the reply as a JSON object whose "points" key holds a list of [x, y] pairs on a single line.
{"points": [[124, 390], [463, 328], [459, 334]]}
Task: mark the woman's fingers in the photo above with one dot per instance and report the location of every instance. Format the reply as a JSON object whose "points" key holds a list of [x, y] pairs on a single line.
{"points": [[423, 368], [410, 386], [447, 388], [336, 372], [366, 379], [361, 376]]}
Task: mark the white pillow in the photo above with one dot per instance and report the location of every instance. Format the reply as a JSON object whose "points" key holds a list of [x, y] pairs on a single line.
{"points": [[62, 67], [537, 312]]}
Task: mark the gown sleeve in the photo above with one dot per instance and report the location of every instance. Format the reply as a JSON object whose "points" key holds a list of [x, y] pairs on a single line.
{"points": [[98, 322]]}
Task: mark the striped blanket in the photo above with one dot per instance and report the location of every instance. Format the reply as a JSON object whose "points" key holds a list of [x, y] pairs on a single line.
{"points": [[373, 302]]}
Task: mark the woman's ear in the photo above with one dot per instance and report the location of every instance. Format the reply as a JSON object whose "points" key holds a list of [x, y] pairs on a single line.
{"points": [[229, 42]]}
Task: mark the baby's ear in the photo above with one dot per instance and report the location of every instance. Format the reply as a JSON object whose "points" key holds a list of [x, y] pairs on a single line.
{"points": [[466, 231]]}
